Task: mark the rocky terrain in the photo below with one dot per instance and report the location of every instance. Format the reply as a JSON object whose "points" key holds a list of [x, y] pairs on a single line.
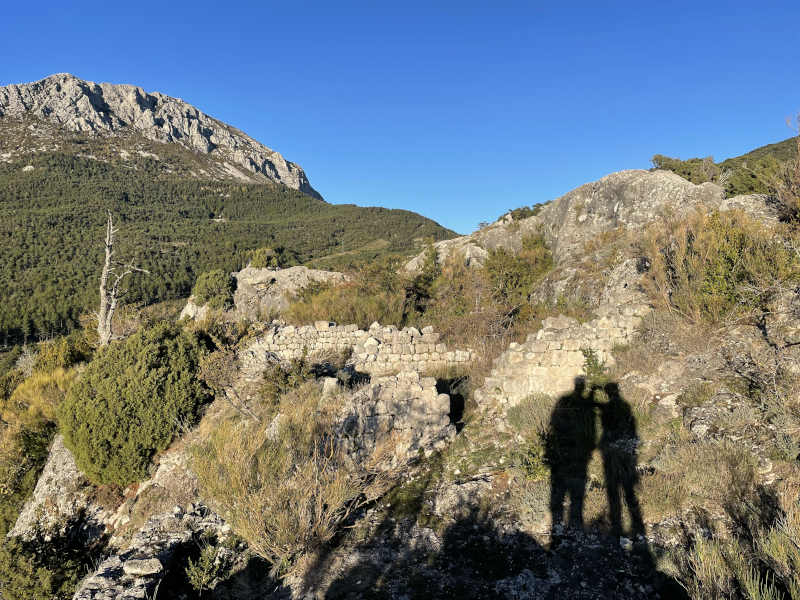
{"points": [[605, 451], [626, 200], [102, 109]]}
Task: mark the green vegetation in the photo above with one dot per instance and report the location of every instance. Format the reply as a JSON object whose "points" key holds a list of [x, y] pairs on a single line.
{"points": [[474, 306], [43, 570], [751, 173], [512, 275], [523, 212], [215, 288], [29, 423], [280, 257], [131, 401], [709, 265], [52, 219], [279, 379], [209, 567], [376, 293]]}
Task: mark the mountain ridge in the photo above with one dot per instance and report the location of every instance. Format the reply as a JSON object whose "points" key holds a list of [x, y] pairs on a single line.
{"points": [[97, 109]]}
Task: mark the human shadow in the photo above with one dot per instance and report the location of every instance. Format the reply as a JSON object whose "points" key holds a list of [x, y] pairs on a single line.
{"points": [[569, 443], [618, 446], [476, 549], [481, 555]]}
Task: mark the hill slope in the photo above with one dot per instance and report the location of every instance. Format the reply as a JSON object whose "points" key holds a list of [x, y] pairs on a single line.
{"points": [[70, 150]]}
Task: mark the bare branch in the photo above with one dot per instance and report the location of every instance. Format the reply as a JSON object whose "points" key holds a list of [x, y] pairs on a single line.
{"points": [[110, 294]]}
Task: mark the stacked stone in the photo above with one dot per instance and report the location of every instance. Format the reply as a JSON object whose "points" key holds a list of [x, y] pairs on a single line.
{"points": [[550, 360], [403, 410], [378, 351]]}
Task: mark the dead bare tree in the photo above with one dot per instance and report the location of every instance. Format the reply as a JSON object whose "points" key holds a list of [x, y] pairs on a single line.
{"points": [[110, 280]]}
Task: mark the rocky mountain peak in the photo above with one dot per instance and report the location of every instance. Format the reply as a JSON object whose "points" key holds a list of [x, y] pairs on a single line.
{"points": [[104, 108]]}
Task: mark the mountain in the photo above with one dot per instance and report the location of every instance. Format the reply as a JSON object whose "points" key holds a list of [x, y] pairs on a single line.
{"points": [[189, 193], [101, 109]]}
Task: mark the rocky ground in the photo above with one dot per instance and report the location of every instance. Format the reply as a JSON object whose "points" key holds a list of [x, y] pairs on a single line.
{"points": [[473, 514]]}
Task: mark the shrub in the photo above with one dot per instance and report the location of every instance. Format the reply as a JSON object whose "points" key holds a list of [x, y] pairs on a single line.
{"points": [[784, 184], [286, 489], [131, 401], [215, 288], [707, 265], [43, 570], [36, 399], [696, 170], [419, 290], [761, 564], [512, 276], [377, 293], [210, 566], [63, 352], [29, 425], [279, 378], [280, 258]]}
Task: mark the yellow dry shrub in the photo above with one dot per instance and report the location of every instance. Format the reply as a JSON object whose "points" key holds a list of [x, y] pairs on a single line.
{"points": [[285, 488], [28, 424], [35, 400]]}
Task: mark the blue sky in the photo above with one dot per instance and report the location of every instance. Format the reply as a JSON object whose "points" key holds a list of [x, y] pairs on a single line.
{"points": [[457, 110]]}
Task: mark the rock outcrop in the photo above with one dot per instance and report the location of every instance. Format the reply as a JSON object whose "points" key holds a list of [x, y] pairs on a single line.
{"points": [[137, 571], [62, 499], [96, 109], [262, 293], [627, 199]]}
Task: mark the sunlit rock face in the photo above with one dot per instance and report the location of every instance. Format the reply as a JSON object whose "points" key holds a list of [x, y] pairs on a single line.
{"points": [[101, 108]]}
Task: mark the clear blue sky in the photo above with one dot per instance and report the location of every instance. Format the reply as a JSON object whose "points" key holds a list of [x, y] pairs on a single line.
{"points": [[457, 110]]}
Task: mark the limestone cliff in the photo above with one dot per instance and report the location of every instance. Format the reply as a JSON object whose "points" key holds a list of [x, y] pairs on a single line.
{"points": [[104, 108]]}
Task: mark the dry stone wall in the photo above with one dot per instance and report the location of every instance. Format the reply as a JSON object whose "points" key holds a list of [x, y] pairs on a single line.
{"points": [[549, 360], [377, 352], [404, 410]]}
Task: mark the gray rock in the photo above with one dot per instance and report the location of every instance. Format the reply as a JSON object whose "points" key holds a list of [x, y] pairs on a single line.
{"points": [[143, 567], [627, 199], [263, 292], [96, 109], [61, 497]]}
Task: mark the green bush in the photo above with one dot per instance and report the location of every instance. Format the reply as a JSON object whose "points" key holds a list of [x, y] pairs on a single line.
{"points": [[710, 265], [280, 257], [63, 352], [512, 276], [42, 570], [279, 379], [215, 288], [376, 293], [131, 401]]}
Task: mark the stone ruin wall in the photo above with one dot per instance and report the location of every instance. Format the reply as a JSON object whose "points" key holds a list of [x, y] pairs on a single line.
{"points": [[379, 351], [549, 360]]}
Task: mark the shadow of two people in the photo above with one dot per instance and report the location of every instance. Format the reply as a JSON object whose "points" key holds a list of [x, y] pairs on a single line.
{"points": [[571, 441]]}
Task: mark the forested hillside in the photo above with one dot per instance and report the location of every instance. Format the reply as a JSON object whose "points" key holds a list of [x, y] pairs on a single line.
{"points": [[53, 209]]}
